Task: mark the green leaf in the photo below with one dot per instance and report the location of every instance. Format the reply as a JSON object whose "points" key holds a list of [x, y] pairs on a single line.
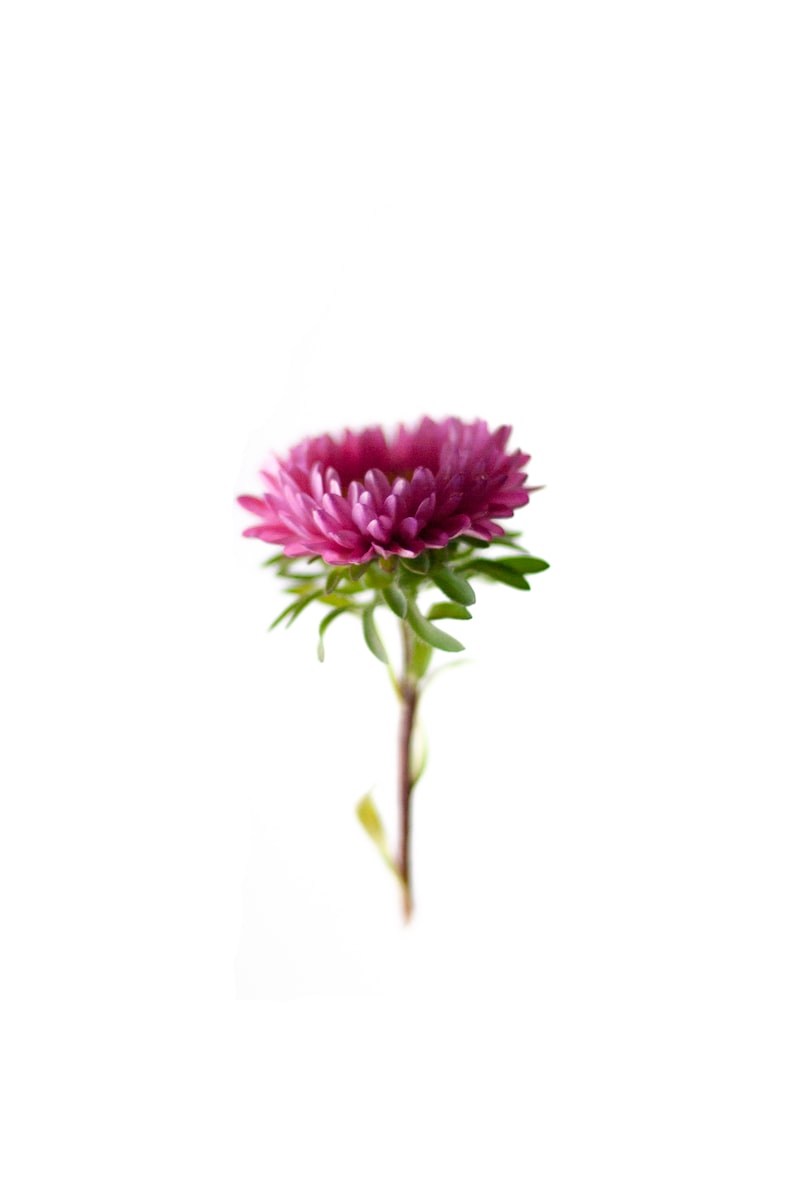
{"points": [[357, 571], [396, 600], [522, 564], [323, 626], [499, 572], [274, 559], [337, 599], [421, 656], [506, 543], [430, 633], [281, 616], [305, 587], [300, 606], [370, 819], [293, 609], [452, 586], [419, 753], [373, 639], [447, 610]]}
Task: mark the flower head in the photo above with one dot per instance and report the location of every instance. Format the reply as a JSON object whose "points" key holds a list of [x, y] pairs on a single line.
{"points": [[364, 495]]}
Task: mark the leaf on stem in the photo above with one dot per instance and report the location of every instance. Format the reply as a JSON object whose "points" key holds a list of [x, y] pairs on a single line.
{"points": [[373, 639], [522, 564], [452, 586], [370, 819], [430, 633], [419, 753], [323, 626], [300, 606], [292, 610], [396, 600], [447, 610], [498, 572], [421, 656]]}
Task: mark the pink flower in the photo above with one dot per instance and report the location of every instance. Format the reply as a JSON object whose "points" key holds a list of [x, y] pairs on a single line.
{"points": [[349, 500]]}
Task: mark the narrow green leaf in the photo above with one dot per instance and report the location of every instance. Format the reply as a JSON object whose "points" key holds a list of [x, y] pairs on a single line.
{"points": [[337, 599], [421, 656], [323, 626], [282, 615], [274, 559], [357, 571], [522, 564], [300, 606], [499, 572], [370, 819], [292, 610], [373, 639], [305, 587], [447, 610], [452, 586], [396, 600], [443, 668], [429, 633], [419, 753]]}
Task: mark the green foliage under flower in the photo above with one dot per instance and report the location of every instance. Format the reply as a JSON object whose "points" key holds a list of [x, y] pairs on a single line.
{"points": [[400, 583]]}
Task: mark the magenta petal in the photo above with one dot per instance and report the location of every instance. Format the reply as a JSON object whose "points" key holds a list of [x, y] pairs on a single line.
{"points": [[256, 506], [378, 485]]}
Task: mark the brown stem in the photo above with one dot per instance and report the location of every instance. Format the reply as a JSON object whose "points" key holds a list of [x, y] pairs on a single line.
{"points": [[409, 697]]}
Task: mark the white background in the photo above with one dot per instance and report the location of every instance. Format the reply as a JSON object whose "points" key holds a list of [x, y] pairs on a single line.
{"points": [[225, 227]]}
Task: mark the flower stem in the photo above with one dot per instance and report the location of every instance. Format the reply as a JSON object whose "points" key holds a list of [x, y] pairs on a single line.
{"points": [[409, 698]]}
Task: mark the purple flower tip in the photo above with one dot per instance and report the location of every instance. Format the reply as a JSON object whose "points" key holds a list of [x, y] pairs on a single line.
{"points": [[348, 500]]}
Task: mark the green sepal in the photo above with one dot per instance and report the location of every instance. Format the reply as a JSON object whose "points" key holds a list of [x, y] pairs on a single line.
{"points": [[378, 578], [323, 626], [356, 571], [418, 565], [430, 633], [371, 636], [396, 600], [334, 577], [458, 589], [447, 610]]}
